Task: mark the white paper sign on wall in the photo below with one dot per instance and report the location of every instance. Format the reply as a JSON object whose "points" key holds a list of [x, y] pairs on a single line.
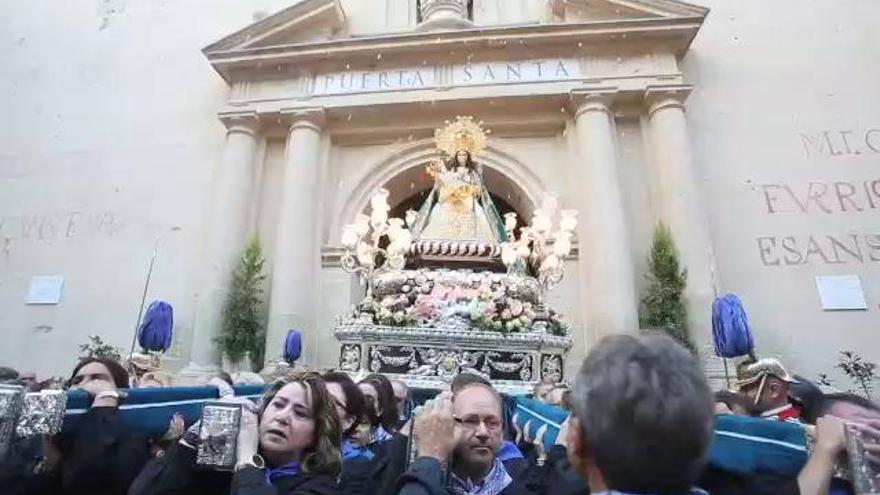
{"points": [[841, 292], [45, 289]]}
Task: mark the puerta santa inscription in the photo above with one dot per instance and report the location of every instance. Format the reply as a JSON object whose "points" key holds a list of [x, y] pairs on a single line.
{"points": [[425, 77]]}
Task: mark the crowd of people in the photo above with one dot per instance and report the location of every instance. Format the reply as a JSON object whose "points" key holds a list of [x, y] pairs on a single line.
{"points": [[641, 421]]}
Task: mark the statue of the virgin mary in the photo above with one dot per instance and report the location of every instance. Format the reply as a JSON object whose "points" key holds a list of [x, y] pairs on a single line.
{"points": [[459, 207]]}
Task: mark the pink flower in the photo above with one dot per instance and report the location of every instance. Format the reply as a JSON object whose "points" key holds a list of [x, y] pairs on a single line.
{"points": [[425, 307], [440, 291]]}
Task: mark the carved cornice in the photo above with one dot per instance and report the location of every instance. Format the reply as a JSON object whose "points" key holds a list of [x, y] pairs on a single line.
{"points": [[247, 122], [675, 34], [300, 14], [311, 117], [667, 96], [663, 8], [591, 100]]}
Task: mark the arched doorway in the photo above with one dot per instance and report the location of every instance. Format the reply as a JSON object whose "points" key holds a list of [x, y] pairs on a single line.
{"points": [[512, 185], [409, 189]]}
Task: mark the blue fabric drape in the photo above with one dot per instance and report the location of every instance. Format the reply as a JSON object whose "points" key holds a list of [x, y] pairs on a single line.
{"points": [[730, 327], [157, 329], [148, 410]]}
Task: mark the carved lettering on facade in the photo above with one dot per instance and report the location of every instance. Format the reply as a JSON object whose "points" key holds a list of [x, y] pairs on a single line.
{"points": [[841, 143], [821, 197], [411, 78], [818, 249], [60, 225]]}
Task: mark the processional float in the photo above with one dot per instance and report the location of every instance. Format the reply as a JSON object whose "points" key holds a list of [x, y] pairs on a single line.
{"points": [[455, 286]]}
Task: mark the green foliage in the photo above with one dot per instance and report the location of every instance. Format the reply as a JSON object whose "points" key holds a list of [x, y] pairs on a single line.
{"points": [[861, 372], [243, 330], [662, 305], [97, 348]]}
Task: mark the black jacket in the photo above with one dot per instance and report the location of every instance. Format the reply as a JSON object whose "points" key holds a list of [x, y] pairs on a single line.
{"points": [[17, 467], [357, 476], [556, 476], [100, 457], [426, 476], [176, 474], [390, 463]]}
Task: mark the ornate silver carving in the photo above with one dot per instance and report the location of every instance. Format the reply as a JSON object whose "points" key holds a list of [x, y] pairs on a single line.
{"points": [[523, 365], [387, 335], [350, 357], [551, 367], [378, 358]]}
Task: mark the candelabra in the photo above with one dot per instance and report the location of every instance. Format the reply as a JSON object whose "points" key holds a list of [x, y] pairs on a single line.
{"points": [[539, 246], [361, 240]]}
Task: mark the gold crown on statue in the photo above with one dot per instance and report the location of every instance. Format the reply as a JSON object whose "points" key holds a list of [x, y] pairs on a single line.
{"points": [[462, 134]]}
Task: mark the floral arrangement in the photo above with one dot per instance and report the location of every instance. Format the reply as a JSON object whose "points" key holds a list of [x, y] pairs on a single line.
{"points": [[455, 299]]}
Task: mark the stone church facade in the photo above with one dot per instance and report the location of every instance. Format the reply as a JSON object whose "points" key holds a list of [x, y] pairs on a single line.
{"points": [[185, 129]]}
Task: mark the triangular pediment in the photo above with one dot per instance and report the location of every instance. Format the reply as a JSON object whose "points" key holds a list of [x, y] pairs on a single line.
{"points": [[316, 31], [579, 11], [305, 21]]}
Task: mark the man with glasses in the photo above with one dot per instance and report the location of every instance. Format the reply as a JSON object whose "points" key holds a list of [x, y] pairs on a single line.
{"points": [[458, 438]]}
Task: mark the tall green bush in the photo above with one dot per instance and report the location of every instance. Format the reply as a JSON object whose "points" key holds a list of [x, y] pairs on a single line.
{"points": [[243, 329]]}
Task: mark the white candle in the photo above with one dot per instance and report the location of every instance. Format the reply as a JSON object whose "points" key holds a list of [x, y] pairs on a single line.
{"points": [[350, 236], [568, 222]]}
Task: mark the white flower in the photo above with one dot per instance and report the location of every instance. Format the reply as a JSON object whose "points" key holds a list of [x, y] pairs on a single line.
{"points": [[516, 307]]}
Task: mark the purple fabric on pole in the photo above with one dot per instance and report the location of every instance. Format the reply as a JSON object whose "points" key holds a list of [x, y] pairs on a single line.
{"points": [[157, 328], [292, 345], [730, 327]]}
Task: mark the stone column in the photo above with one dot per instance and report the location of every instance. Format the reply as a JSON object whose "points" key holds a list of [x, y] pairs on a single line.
{"points": [[605, 260], [681, 206], [296, 265], [444, 14], [225, 239]]}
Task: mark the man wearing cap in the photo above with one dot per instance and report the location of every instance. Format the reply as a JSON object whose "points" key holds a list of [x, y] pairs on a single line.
{"points": [[766, 383]]}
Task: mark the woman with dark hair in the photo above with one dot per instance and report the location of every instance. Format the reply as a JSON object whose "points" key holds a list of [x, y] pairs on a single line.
{"points": [[100, 455], [98, 368], [287, 445], [379, 393], [357, 459], [348, 399]]}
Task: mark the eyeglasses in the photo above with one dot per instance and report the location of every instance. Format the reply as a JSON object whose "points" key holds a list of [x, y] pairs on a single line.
{"points": [[473, 422]]}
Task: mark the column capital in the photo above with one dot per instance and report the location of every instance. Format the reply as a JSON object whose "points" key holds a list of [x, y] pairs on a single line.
{"points": [[311, 117], [666, 96], [591, 100], [247, 122]]}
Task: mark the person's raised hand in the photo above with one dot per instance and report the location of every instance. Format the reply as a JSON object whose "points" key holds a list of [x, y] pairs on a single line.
{"points": [[246, 404], [562, 437], [95, 387], [248, 437], [176, 428], [224, 389], [870, 430], [830, 435], [435, 429], [538, 441]]}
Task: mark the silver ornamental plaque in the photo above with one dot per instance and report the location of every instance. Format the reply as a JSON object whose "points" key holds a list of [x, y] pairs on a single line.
{"points": [[863, 473], [11, 397], [42, 413], [218, 436]]}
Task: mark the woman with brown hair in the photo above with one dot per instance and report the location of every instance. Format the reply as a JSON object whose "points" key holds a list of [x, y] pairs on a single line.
{"points": [[288, 445]]}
